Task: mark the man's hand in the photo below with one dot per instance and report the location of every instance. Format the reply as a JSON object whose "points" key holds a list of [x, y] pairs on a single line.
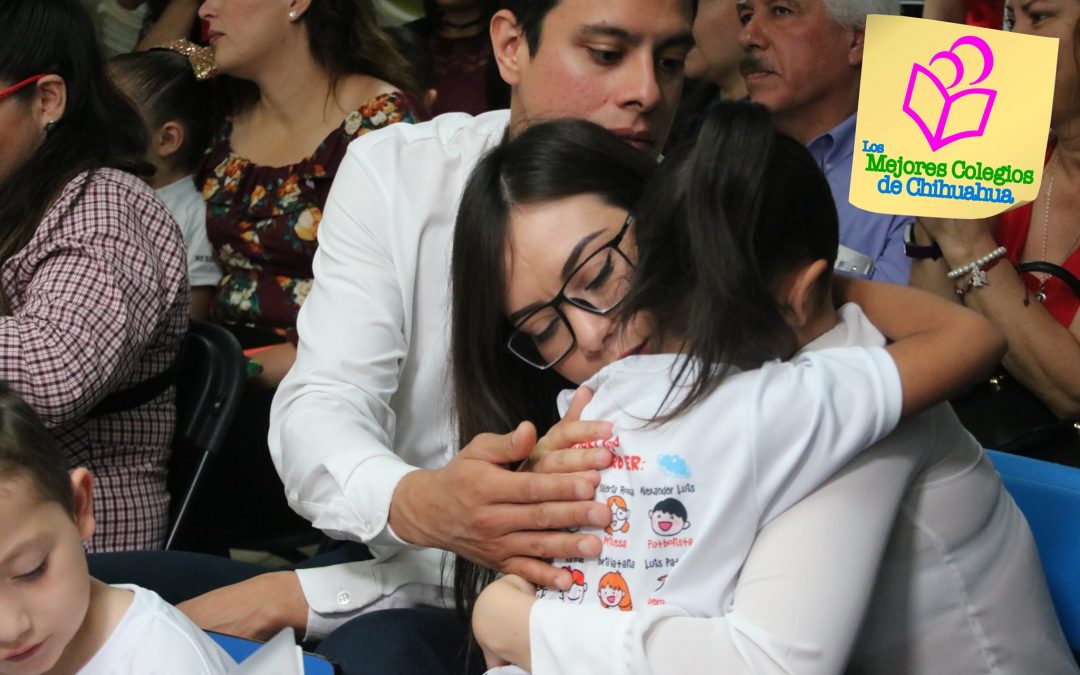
{"points": [[506, 520], [255, 609]]}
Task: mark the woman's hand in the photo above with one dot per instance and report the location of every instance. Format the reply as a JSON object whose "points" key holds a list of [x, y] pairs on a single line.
{"points": [[501, 622], [961, 241]]}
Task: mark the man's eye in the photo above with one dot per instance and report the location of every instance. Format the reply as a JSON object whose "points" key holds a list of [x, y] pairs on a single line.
{"points": [[744, 18], [672, 65], [605, 56]]}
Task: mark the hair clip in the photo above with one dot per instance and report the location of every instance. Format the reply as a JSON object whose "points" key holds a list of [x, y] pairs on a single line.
{"points": [[200, 58]]}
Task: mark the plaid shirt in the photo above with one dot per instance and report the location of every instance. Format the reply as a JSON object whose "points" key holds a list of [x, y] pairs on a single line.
{"points": [[99, 302]]}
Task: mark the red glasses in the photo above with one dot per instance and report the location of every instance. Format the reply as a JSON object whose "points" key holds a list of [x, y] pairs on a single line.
{"points": [[4, 93]]}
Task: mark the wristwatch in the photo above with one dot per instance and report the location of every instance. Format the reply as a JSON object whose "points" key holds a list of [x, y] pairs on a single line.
{"points": [[917, 251]]}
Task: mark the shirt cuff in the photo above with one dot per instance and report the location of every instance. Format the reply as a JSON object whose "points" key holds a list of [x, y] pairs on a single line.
{"points": [[360, 509]]}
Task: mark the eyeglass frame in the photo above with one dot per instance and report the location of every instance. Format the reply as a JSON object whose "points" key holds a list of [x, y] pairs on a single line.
{"points": [[561, 298], [16, 87]]}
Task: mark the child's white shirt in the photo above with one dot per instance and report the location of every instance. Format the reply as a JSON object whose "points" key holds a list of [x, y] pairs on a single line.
{"points": [[699, 487], [188, 208], [155, 638]]}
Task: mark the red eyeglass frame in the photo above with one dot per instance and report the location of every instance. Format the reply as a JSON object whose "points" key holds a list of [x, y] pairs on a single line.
{"points": [[16, 87]]}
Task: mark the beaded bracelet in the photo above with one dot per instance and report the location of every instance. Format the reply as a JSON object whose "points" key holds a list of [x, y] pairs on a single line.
{"points": [[979, 263]]}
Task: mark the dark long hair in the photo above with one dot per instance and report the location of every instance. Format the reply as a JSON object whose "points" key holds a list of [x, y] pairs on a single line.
{"points": [[493, 390], [28, 451], [345, 38], [99, 128], [729, 215], [163, 86]]}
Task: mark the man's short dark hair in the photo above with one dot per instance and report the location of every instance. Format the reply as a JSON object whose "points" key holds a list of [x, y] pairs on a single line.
{"points": [[531, 14]]}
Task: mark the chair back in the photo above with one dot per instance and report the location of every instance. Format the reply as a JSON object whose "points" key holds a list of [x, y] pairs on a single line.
{"points": [[208, 386], [1049, 496]]}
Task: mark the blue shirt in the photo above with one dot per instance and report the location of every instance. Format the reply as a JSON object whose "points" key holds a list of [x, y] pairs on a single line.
{"points": [[877, 236]]}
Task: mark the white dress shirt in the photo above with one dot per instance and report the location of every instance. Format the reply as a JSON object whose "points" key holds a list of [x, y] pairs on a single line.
{"points": [[368, 399]]}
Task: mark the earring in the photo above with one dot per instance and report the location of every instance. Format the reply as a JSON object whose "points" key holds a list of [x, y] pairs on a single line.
{"points": [[293, 14], [50, 127]]}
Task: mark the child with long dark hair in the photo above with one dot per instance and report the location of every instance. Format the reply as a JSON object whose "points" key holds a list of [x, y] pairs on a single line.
{"points": [[728, 403], [171, 89]]}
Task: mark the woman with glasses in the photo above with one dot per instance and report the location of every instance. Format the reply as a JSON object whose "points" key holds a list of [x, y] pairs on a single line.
{"points": [[93, 278], [706, 327]]}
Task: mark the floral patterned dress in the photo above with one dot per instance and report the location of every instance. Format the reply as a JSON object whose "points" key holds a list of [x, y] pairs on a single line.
{"points": [[262, 220]]}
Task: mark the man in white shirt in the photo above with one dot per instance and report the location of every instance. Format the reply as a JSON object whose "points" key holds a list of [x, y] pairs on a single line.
{"points": [[361, 427]]}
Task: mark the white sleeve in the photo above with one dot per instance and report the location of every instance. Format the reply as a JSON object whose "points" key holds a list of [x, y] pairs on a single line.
{"points": [[203, 270], [798, 603], [339, 593], [331, 425], [813, 415]]}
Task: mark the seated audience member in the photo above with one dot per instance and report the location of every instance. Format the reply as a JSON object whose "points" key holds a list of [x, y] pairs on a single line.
{"points": [[804, 64], [307, 80], [458, 41], [712, 66], [168, 20], [983, 13], [178, 110], [55, 617], [93, 284], [634, 318], [415, 51], [1032, 404]]}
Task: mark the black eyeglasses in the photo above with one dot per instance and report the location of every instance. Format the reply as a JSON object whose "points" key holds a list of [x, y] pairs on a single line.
{"points": [[544, 336]]}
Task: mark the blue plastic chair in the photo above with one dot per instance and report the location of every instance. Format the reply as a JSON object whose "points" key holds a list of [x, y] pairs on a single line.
{"points": [[241, 648], [1049, 496]]}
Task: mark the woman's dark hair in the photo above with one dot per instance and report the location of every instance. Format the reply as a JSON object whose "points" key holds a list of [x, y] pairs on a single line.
{"points": [[345, 38], [99, 128], [494, 390], [163, 86], [729, 215], [28, 451]]}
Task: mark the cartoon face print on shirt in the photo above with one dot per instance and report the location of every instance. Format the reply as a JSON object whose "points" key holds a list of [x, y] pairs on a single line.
{"points": [[614, 592], [576, 592], [668, 517], [620, 515]]}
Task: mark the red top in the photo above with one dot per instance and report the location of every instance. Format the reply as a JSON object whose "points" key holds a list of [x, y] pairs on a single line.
{"points": [[1012, 233], [986, 13]]}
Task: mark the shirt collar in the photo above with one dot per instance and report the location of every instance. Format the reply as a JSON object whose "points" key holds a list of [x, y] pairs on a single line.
{"points": [[836, 145]]}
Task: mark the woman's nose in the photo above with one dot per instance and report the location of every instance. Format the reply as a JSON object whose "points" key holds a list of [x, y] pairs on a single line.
{"points": [[592, 331]]}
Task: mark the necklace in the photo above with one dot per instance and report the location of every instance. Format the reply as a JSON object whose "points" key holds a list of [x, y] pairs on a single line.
{"points": [[1040, 294], [460, 26]]}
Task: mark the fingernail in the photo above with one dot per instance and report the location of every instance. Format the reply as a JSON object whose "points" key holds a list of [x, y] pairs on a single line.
{"points": [[598, 518], [513, 437], [563, 582], [584, 491], [586, 548], [603, 458]]}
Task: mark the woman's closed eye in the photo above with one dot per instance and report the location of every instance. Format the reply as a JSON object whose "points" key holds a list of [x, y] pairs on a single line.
{"points": [[603, 275]]}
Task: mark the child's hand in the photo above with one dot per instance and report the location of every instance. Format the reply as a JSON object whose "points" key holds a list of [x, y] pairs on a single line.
{"points": [[501, 621], [554, 453]]}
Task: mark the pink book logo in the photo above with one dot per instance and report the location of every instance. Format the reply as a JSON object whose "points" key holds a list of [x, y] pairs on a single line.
{"points": [[946, 114]]}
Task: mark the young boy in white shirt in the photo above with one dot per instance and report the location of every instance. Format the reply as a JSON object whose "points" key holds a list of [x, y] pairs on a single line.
{"points": [[54, 617]]}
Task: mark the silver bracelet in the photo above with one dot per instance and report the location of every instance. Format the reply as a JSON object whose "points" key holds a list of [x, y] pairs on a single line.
{"points": [[978, 263]]}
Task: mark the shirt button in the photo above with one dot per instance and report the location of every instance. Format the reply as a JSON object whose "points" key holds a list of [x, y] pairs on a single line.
{"points": [[343, 598]]}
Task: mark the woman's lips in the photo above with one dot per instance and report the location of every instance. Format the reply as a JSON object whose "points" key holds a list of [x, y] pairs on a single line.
{"points": [[640, 349]]}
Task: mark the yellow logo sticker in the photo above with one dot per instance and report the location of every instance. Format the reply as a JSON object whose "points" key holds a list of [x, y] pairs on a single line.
{"points": [[953, 120]]}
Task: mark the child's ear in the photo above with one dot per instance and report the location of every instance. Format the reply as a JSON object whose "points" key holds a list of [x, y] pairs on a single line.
{"points": [[82, 486], [801, 300], [169, 139]]}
